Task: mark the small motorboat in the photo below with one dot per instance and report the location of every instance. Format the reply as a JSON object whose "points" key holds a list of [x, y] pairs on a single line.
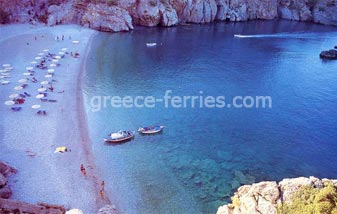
{"points": [[153, 44], [150, 129], [120, 137]]}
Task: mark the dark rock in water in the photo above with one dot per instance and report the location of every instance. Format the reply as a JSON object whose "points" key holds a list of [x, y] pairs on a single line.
{"points": [[330, 54], [335, 47], [5, 192]]}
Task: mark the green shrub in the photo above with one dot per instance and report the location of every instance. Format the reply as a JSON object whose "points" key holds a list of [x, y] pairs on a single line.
{"points": [[311, 200]]}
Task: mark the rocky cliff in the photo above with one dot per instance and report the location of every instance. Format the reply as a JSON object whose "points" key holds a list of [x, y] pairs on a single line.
{"points": [[122, 15], [267, 197]]}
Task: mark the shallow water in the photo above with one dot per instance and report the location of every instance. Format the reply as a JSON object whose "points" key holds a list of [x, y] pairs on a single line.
{"points": [[204, 154]]}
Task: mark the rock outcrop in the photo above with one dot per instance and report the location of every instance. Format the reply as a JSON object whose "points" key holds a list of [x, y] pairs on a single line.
{"points": [[330, 54], [263, 197], [318, 11], [5, 170], [121, 15]]}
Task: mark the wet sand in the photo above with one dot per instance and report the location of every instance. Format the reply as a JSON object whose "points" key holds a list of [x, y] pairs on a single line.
{"points": [[28, 140]]}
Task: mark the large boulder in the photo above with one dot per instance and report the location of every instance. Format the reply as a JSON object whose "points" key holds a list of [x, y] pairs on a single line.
{"points": [[330, 54], [5, 192], [103, 18]]}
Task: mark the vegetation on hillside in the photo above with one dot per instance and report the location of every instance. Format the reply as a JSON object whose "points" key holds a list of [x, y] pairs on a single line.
{"points": [[312, 200]]}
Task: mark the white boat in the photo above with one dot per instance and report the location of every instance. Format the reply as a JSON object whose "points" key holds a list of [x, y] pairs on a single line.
{"points": [[120, 137], [150, 129], [153, 44]]}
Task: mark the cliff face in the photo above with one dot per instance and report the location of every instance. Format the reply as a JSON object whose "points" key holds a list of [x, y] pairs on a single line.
{"points": [[264, 197], [121, 15]]}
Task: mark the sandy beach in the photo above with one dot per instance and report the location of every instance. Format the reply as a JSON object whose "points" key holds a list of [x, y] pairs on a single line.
{"points": [[28, 140]]}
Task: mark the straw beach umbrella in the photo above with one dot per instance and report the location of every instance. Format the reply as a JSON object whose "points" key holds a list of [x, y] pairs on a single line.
{"points": [[18, 88], [22, 81], [50, 70], [9, 103], [41, 89], [39, 96], [12, 96], [36, 106], [5, 82]]}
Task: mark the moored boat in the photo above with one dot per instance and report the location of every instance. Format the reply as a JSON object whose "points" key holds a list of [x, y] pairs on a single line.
{"points": [[120, 137], [150, 129]]}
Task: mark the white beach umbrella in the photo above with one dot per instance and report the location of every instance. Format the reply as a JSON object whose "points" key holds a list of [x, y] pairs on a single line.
{"points": [[36, 106], [22, 81], [45, 50], [44, 83], [52, 65], [41, 89], [38, 57], [8, 68], [33, 62], [27, 74], [74, 211], [6, 65], [9, 103], [5, 82], [64, 49], [76, 42], [12, 96], [55, 60], [50, 70], [18, 88], [48, 76], [39, 96], [29, 68], [57, 57], [41, 54], [61, 53]]}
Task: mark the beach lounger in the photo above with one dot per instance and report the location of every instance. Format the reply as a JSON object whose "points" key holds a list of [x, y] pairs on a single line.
{"points": [[16, 108], [44, 100], [52, 101], [28, 95]]}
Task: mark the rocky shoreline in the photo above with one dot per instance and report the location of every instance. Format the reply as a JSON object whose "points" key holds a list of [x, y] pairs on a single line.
{"points": [[264, 197], [122, 15]]}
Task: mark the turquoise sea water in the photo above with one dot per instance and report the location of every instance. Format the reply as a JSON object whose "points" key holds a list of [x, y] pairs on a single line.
{"points": [[204, 154]]}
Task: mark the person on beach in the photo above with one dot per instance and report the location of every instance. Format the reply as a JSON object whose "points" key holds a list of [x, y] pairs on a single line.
{"points": [[51, 88], [103, 184], [62, 37], [101, 192], [83, 170]]}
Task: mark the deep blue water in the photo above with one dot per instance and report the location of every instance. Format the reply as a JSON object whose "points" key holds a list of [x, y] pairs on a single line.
{"points": [[204, 154]]}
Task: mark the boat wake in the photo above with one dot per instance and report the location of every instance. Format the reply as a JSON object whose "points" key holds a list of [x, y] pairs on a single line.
{"points": [[288, 35]]}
